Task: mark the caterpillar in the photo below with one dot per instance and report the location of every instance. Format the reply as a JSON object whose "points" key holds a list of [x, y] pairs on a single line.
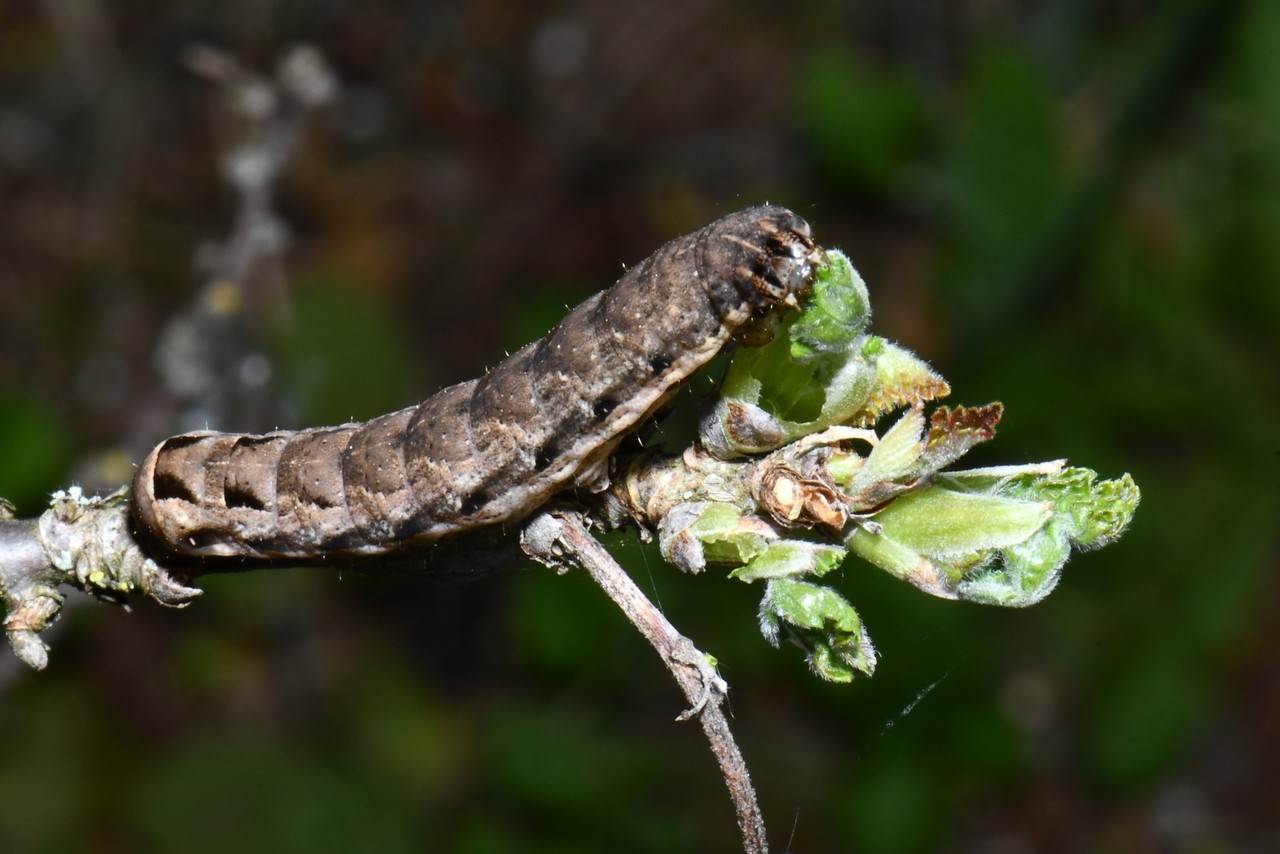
{"points": [[489, 450]]}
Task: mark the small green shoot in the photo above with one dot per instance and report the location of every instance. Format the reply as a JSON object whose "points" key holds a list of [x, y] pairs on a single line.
{"points": [[801, 414]]}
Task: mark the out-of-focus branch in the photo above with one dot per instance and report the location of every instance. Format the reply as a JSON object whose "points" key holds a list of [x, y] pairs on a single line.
{"points": [[210, 375]]}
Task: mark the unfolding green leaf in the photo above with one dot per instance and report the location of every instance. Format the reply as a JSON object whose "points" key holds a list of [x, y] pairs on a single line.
{"points": [[902, 379], [823, 623], [1004, 545], [838, 311], [939, 522], [700, 532], [896, 455], [791, 559]]}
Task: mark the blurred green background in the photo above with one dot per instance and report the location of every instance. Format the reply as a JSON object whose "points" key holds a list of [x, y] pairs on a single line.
{"points": [[1073, 207]]}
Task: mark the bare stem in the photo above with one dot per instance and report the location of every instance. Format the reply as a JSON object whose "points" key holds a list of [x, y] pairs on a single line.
{"points": [[559, 538]]}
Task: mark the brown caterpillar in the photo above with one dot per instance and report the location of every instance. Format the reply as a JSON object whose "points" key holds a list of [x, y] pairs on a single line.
{"points": [[489, 450]]}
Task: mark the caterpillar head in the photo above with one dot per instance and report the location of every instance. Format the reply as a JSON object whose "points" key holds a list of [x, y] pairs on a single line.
{"points": [[782, 270]]}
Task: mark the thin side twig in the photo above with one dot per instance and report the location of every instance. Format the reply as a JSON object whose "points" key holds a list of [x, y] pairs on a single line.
{"points": [[559, 538]]}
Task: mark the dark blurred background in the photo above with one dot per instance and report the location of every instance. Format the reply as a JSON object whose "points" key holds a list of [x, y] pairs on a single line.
{"points": [[1073, 207]]}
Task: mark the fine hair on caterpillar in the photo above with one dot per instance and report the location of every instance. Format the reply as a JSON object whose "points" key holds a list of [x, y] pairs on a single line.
{"points": [[488, 450]]}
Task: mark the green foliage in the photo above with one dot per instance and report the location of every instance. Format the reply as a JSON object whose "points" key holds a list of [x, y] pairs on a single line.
{"points": [[836, 313], [34, 451], [345, 356], [821, 369], [1141, 718], [1006, 181], [35, 793], [894, 807], [998, 536], [279, 801], [864, 124], [822, 623]]}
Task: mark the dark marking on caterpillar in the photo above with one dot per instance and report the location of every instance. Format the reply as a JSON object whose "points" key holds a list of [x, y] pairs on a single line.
{"points": [[659, 364], [167, 486], [235, 496], [474, 502], [546, 456], [603, 407], [491, 450]]}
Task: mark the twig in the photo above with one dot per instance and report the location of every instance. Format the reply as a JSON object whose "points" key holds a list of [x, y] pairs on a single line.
{"points": [[558, 538], [80, 541]]}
